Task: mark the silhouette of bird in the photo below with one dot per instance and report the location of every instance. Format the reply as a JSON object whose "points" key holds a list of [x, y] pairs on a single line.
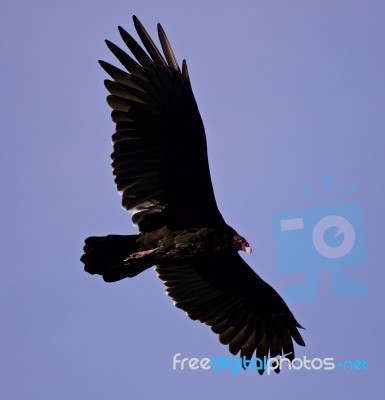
{"points": [[161, 169]]}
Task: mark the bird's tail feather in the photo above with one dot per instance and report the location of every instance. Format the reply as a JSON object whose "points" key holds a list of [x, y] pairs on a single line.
{"points": [[106, 255]]}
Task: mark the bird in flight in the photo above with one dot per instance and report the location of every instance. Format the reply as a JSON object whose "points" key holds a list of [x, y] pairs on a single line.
{"points": [[161, 169]]}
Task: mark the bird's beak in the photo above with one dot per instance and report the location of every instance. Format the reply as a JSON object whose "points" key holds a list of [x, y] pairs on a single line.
{"points": [[248, 249]]}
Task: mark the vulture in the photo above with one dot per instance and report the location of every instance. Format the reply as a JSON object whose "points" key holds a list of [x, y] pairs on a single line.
{"points": [[161, 169]]}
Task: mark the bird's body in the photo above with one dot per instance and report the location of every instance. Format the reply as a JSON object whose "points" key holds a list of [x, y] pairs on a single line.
{"points": [[161, 169]]}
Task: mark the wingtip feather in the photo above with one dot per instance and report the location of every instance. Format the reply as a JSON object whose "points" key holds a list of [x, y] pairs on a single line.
{"points": [[167, 49]]}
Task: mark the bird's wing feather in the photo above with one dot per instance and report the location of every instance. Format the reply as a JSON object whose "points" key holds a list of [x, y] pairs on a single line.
{"points": [[160, 156], [223, 292]]}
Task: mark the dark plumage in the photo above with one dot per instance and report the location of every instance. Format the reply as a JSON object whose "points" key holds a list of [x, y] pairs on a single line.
{"points": [[161, 169]]}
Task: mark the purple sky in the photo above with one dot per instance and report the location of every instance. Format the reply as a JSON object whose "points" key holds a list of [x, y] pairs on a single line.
{"points": [[288, 91]]}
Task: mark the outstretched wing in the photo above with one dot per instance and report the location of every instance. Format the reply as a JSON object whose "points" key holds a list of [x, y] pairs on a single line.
{"points": [[223, 292], [160, 156]]}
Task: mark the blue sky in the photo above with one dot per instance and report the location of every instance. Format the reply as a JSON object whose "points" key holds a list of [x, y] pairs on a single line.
{"points": [[288, 91]]}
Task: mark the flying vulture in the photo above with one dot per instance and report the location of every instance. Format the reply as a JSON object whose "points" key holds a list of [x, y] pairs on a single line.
{"points": [[161, 169]]}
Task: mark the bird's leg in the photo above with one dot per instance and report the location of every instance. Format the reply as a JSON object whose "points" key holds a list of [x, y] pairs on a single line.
{"points": [[139, 254]]}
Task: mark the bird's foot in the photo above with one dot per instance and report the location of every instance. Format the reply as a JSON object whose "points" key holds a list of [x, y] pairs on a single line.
{"points": [[139, 254]]}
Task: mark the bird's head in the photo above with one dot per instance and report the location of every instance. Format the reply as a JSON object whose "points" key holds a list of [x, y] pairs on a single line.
{"points": [[241, 243]]}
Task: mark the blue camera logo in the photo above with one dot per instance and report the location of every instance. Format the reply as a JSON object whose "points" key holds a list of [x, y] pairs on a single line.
{"points": [[316, 239]]}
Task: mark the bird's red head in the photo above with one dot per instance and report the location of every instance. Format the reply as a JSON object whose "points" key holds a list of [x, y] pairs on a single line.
{"points": [[241, 243]]}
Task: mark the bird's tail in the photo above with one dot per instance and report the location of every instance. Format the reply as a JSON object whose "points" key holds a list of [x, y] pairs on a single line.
{"points": [[106, 256]]}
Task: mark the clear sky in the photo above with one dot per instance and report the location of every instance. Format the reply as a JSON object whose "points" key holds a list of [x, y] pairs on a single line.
{"points": [[288, 91]]}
